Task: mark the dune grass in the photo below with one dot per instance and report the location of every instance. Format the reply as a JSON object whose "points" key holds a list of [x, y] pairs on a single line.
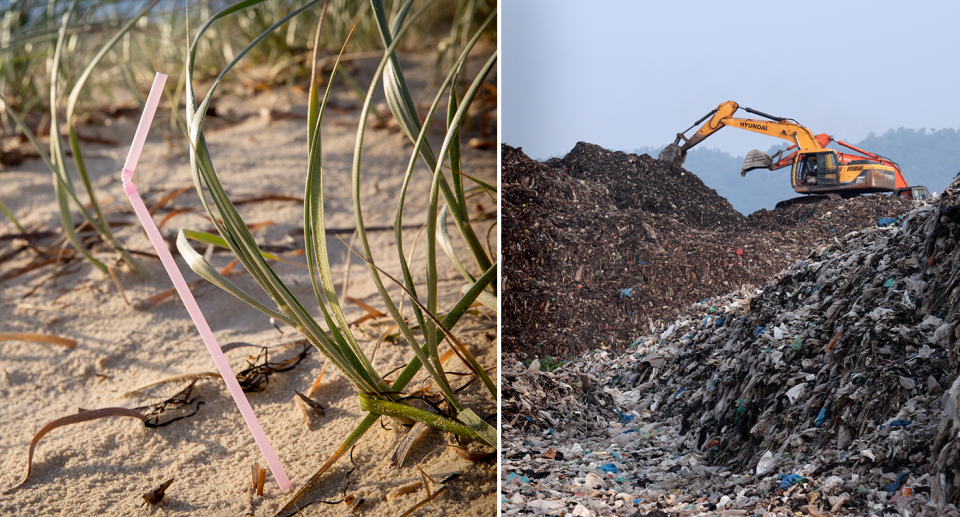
{"points": [[336, 341]]}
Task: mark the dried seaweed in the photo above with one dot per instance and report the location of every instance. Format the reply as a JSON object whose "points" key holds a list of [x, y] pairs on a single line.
{"points": [[173, 409], [84, 416], [306, 402], [240, 344], [38, 338], [176, 378], [256, 377], [342, 498]]}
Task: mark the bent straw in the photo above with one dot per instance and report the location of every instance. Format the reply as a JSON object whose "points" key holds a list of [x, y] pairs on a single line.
{"points": [[181, 285]]}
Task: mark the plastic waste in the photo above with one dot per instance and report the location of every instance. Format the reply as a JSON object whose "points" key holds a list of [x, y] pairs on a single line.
{"points": [[610, 467], [766, 464], [892, 487], [788, 480]]}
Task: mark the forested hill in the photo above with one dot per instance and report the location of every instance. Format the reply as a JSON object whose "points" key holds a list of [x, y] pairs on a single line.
{"points": [[928, 158]]}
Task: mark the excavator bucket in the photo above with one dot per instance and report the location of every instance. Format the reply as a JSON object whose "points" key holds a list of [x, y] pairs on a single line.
{"points": [[673, 154], [756, 160]]}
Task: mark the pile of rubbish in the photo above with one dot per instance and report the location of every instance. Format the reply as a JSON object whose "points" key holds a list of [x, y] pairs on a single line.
{"points": [[831, 390], [600, 243], [641, 182]]}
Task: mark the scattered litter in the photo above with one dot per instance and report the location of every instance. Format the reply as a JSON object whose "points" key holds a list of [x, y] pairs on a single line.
{"points": [[852, 408]]}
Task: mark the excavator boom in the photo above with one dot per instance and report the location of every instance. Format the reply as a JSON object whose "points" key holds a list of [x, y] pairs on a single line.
{"points": [[722, 117]]}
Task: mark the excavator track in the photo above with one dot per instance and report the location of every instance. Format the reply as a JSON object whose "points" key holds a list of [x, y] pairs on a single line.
{"points": [[805, 200]]}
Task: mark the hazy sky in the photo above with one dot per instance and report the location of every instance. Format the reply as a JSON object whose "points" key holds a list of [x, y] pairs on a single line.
{"points": [[628, 74]]}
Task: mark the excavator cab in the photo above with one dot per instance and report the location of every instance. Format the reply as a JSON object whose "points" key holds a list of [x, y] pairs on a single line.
{"points": [[918, 193], [820, 168]]}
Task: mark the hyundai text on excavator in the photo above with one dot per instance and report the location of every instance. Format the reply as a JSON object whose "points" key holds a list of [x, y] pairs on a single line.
{"points": [[816, 169]]}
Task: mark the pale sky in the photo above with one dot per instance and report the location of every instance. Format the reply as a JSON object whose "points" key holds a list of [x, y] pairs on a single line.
{"points": [[628, 74]]}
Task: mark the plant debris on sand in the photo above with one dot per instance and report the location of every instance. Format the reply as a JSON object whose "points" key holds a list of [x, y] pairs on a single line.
{"points": [[600, 245]]}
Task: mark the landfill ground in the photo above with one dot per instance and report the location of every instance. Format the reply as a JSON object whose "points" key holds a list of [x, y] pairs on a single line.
{"points": [[820, 379], [600, 244]]}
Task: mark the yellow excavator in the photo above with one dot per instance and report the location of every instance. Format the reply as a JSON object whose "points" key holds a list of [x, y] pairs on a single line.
{"points": [[816, 169]]}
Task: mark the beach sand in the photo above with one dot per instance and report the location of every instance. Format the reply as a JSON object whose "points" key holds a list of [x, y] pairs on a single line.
{"points": [[102, 467]]}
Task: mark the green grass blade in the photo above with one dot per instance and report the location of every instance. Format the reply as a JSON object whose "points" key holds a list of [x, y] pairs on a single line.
{"points": [[29, 134], [432, 215], [454, 153], [394, 85], [201, 110], [63, 185], [418, 143], [75, 145], [315, 239], [479, 426], [436, 374], [66, 218], [439, 325], [11, 217], [200, 266], [404, 378], [404, 110], [237, 235], [383, 407], [443, 239], [216, 240]]}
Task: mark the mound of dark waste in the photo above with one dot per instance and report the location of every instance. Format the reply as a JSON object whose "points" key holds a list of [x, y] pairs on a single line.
{"points": [[830, 217], [647, 184], [599, 245]]}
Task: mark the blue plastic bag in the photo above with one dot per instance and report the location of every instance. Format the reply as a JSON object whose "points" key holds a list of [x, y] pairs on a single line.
{"points": [[892, 487], [792, 479], [610, 467], [822, 417]]}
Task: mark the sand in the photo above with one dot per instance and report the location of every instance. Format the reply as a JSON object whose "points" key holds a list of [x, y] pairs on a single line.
{"points": [[102, 467]]}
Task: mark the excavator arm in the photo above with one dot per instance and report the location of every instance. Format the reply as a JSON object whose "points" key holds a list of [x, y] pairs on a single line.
{"points": [[722, 116]]}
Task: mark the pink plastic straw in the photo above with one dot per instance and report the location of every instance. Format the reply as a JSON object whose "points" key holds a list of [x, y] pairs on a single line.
{"points": [[185, 295]]}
